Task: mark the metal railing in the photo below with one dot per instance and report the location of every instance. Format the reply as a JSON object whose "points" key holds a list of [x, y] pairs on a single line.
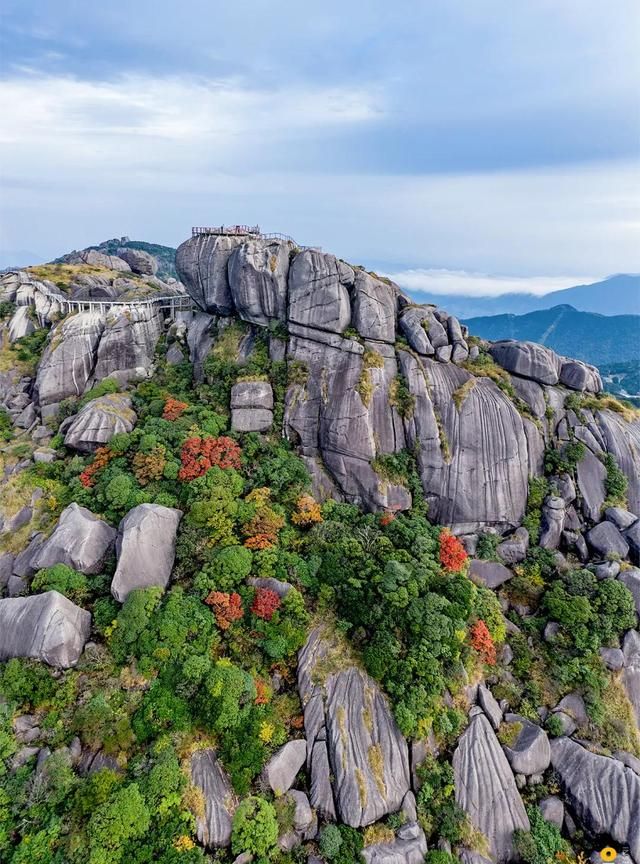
{"points": [[227, 230], [176, 303]]}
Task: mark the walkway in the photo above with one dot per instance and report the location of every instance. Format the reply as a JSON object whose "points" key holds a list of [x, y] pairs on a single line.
{"points": [[174, 303]]}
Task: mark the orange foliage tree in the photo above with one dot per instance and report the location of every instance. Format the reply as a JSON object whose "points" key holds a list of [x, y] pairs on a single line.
{"points": [[482, 642], [173, 409], [262, 529], [101, 459], [452, 553], [227, 608], [200, 454], [149, 466], [307, 511]]}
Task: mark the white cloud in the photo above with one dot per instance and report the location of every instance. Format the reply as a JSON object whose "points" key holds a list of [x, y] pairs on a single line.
{"points": [[481, 284], [169, 109]]}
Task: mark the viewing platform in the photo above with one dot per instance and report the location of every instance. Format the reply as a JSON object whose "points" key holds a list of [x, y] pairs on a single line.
{"points": [[247, 231]]}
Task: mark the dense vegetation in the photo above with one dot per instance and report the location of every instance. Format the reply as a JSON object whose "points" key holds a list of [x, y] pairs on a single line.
{"points": [[212, 661]]}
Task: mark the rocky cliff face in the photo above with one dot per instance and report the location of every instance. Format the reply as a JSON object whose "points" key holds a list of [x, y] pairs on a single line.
{"points": [[377, 374]]}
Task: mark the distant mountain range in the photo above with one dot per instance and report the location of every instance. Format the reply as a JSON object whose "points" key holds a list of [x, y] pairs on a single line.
{"points": [[598, 339], [617, 295]]}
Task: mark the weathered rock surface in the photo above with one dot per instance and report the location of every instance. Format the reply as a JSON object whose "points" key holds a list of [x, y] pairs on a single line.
{"points": [[553, 516], [69, 358], [214, 830], [490, 706], [98, 421], [281, 770], [80, 540], [591, 475], [631, 578], [46, 627], [128, 343], [409, 847], [621, 518], [374, 307], [632, 537], [251, 406], [602, 792], [527, 359], [514, 548], [258, 271], [552, 810], [139, 261], [367, 765], [21, 323], [98, 259], [146, 548], [605, 539], [319, 291], [631, 671], [491, 574], [486, 789], [530, 753]]}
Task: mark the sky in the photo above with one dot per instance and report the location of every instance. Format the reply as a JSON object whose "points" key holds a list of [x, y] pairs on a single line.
{"points": [[465, 146]]}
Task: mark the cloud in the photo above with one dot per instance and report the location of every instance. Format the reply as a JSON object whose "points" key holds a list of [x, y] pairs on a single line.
{"points": [[440, 281], [170, 108]]}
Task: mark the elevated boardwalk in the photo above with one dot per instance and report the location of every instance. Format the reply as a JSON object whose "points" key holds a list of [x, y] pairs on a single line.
{"points": [[173, 303]]}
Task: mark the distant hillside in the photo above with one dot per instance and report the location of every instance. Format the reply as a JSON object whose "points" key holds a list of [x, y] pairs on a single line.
{"points": [[598, 339], [617, 295], [166, 255]]}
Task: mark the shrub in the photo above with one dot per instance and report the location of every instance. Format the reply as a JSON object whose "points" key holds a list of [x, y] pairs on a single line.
{"points": [[101, 459], [615, 482], [307, 511], [173, 409], [330, 841], [543, 843], [452, 553], [255, 827], [482, 642], [487, 545], [227, 608], [200, 454], [64, 579], [265, 603]]}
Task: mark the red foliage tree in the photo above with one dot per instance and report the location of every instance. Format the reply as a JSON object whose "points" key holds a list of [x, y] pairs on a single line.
{"points": [[452, 553], [483, 643], [386, 519], [226, 607], [265, 603], [173, 409], [200, 454]]}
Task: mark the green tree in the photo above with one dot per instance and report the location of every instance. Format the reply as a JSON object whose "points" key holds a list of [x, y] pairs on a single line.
{"points": [[255, 827]]}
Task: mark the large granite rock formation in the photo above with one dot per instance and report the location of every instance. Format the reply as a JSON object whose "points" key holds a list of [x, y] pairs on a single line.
{"points": [[68, 360], [603, 793], [354, 400], [139, 261], [486, 788], [146, 547], [80, 540], [46, 627], [98, 421], [207, 775], [357, 758]]}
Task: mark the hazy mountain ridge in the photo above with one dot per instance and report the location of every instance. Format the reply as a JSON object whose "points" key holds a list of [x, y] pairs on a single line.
{"points": [[588, 336], [616, 295]]}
